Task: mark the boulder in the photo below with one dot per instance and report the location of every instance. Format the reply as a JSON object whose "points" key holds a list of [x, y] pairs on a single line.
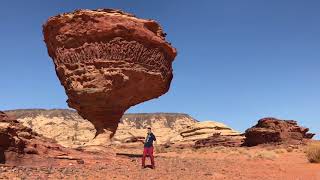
{"points": [[107, 61], [272, 130]]}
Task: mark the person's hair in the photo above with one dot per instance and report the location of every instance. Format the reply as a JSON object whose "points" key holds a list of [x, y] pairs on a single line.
{"points": [[149, 128]]}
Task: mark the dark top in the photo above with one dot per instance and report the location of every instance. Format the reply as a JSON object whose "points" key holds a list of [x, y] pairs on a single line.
{"points": [[149, 140]]}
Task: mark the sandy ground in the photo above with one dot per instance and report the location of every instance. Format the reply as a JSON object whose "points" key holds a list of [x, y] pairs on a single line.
{"points": [[172, 163]]}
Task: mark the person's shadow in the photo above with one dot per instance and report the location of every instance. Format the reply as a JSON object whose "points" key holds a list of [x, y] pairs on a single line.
{"points": [[149, 166]]}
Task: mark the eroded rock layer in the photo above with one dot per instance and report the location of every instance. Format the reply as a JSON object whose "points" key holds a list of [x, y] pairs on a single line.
{"points": [[70, 130], [220, 140], [206, 129], [272, 130], [19, 145], [107, 61]]}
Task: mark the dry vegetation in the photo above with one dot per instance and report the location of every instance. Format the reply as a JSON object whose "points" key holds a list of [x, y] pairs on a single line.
{"points": [[270, 155], [313, 152]]}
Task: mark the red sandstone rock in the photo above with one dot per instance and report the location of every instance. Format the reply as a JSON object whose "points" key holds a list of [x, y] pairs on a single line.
{"points": [[108, 61], [220, 140], [272, 130], [19, 145]]}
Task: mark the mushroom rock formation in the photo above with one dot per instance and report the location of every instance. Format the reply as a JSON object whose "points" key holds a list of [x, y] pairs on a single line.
{"points": [[107, 61], [272, 130]]}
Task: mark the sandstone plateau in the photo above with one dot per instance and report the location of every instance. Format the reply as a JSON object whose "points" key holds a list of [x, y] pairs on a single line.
{"points": [[107, 61], [71, 130]]}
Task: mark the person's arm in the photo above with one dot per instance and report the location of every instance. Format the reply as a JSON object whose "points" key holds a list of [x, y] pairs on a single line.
{"points": [[154, 137]]}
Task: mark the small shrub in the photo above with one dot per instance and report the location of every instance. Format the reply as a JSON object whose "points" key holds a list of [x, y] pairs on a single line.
{"points": [[266, 155], [313, 153], [289, 149], [280, 151], [242, 151], [220, 148], [270, 148], [249, 156]]}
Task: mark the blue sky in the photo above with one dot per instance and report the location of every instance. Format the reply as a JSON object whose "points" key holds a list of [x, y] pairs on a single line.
{"points": [[238, 61]]}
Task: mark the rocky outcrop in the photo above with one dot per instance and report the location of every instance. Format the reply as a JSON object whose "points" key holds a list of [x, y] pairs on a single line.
{"points": [[210, 133], [108, 61], [9, 140], [220, 140], [20, 145], [272, 130], [70, 130], [64, 126], [206, 129]]}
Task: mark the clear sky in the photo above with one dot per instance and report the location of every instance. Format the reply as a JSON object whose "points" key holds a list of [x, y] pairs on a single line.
{"points": [[238, 61]]}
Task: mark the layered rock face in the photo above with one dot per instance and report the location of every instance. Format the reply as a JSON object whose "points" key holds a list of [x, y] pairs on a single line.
{"points": [[8, 137], [70, 130], [210, 133], [206, 129], [64, 126], [108, 61], [170, 128], [272, 130], [166, 126], [220, 140]]}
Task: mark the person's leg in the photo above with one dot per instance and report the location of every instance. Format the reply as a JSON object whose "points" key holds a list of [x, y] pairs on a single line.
{"points": [[145, 151], [151, 156]]}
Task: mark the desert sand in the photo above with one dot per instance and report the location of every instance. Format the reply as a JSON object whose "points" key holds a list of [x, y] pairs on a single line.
{"points": [[270, 162], [45, 158]]}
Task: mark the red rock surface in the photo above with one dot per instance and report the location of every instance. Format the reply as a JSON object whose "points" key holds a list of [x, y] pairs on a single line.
{"points": [[19, 146], [220, 140], [50, 161], [216, 163], [108, 60], [272, 130]]}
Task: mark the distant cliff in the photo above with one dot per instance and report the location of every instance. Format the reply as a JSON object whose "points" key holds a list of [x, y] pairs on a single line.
{"points": [[141, 120], [70, 129]]}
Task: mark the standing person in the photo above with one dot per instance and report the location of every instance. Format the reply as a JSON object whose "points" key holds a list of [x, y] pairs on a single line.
{"points": [[148, 148]]}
